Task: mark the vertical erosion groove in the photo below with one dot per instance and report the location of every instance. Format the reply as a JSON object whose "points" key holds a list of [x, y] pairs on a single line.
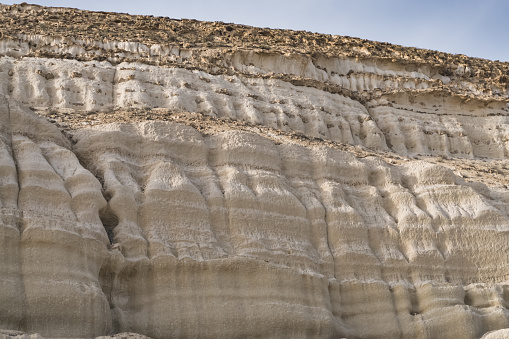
{"points": [[109, 220]]}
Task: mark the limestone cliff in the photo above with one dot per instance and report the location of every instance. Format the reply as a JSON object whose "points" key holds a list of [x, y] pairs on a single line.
{"points": [[193, 179]]}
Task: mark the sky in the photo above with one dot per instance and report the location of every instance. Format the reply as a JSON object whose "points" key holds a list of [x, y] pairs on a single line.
{"points": [[477, 28]]}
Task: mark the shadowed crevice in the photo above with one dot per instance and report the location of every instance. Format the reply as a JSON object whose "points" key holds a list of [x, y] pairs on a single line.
{"points": [[109, 221]]}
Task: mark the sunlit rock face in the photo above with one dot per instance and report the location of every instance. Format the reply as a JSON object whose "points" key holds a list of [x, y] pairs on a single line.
{"points": [[320, 187]]}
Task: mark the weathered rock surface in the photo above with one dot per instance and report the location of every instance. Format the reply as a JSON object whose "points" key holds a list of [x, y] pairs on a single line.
{"points": [[310, 189], [7, 334]]}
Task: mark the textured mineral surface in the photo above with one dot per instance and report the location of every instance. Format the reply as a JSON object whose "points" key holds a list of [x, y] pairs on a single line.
{"points": [[174, 178]]}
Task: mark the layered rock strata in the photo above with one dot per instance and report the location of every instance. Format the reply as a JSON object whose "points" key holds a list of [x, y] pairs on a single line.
{"points": [[326, 187]]}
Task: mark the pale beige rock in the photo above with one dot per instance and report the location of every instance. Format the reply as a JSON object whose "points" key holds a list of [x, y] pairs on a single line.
{"points": [[54, 239], [6, 334], [306, 196], [212, 220], [500, 334], [428, 123]]}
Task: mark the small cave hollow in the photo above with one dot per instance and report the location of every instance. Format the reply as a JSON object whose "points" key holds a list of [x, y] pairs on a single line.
{"points": [[109, 221]]}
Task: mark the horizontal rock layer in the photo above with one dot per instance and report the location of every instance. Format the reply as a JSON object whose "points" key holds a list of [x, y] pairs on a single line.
{"points": [[432, 123]]}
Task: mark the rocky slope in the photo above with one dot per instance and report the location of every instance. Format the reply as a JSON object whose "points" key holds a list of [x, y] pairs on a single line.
{"points": [[192, 179]]}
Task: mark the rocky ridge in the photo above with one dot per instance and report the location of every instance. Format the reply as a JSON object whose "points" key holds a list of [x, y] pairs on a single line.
{"points": [[194, 179]]}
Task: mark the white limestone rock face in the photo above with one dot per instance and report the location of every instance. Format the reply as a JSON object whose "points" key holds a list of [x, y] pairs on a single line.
{"points": [[427, 122], [313, 232], [63, 84], [53, 242], [300, 195], [499, 334], [167, 232]]}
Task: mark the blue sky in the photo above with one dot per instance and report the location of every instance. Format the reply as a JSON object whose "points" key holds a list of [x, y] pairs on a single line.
{"points": [[477, 28]]}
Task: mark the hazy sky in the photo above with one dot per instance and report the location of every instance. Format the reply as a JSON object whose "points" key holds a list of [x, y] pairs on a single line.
{"points": [[477, 28]]}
